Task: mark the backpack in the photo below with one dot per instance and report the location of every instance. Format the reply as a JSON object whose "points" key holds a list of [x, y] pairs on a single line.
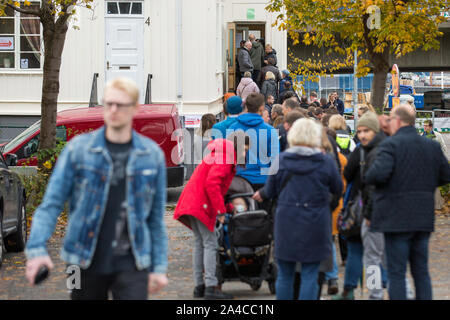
{"points": [[351, 217], [344, 142]]}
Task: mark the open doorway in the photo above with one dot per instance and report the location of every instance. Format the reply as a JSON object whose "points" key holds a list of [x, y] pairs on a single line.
{"points": [[237, 32]]}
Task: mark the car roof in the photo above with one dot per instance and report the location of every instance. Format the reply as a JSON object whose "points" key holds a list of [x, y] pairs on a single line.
{"points": [[96, 113]]}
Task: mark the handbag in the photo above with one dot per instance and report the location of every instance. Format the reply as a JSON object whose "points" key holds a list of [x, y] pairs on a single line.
{"points": [[351, 217]]}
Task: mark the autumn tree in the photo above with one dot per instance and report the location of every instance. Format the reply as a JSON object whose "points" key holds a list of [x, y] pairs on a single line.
{"points": [[374, 28], [54, 16]]}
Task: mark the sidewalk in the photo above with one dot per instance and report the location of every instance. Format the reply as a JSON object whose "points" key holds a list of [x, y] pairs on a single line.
{"points": [[13, 283]]}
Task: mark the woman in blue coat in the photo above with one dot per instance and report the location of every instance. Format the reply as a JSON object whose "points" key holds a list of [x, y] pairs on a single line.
{"points": [[303, 183]]}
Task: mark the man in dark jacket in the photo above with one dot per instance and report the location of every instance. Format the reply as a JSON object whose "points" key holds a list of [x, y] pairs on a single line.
{"points": [[406, 172], [270, 53], [245, 61], [256, 54], [288, 106], [368, 127], [370, 136], [270, 67]]}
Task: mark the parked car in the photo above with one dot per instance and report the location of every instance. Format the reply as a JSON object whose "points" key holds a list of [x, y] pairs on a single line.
{"points": [[158, 122], [13, 215]]}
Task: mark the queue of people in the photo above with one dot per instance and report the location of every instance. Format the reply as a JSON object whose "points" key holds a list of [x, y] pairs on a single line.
{"points": [[321, 171]]}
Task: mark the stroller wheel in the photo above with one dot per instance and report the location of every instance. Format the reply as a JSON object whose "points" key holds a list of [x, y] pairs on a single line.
{"points": [[272, 277], [256, 285]]}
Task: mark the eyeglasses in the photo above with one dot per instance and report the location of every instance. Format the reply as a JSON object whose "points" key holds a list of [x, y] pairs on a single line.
{"points": [[110, 104]]}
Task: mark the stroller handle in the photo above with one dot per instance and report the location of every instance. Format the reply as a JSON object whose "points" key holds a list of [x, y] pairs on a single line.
{"points": [[240, 195]]}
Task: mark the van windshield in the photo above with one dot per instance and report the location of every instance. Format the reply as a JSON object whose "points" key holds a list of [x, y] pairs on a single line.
{"points": [[22, 137]]}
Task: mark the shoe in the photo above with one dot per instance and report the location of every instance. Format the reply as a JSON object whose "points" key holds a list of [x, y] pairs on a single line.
{"points": [[332, 287], [199, 291], [345, 295], [214, 293]]}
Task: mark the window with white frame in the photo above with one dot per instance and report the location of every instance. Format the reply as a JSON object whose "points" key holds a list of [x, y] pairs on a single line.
{"points": [[20, 40], [124, 7]]}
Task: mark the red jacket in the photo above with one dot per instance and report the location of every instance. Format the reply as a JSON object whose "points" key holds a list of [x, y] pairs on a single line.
{"points": [[203, 196]]}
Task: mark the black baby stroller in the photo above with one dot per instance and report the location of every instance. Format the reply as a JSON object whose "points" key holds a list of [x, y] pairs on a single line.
{"points": [[246, 241]]}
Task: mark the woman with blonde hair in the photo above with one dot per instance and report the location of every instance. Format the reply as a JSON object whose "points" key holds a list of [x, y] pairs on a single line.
{"points": [[269, 87], [343, 137], [302, 229]]}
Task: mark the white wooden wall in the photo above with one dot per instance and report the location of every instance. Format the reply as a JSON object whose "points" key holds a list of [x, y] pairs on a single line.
{"points": [[84, 55]]}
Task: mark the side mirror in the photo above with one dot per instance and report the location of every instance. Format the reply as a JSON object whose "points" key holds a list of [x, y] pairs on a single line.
{"points": [[26, 152], [11, 160]]}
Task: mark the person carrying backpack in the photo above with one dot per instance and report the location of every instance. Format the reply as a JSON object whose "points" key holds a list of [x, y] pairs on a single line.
{"points": [[343, 138]]}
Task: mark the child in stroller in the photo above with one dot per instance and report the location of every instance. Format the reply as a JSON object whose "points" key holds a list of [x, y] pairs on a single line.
{"points": [[245, 239]]}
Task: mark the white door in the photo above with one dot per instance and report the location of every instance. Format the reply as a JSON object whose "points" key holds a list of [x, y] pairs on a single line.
{"points": [[125, 48]]}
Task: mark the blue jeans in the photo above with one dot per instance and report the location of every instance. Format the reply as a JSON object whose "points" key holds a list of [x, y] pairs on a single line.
{"points": [[354, 266], [333, 274], [309, 288], [401, 248]]}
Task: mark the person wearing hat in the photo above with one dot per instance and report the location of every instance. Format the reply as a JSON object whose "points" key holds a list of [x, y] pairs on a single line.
{"points": [[285, 77], [232, 109], [369, 134]]}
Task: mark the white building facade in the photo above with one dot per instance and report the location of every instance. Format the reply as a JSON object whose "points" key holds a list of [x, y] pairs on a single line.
{"points": [[184, 44]]}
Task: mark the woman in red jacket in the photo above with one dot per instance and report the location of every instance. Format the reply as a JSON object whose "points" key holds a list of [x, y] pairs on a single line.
{"points": [[202, 201]]}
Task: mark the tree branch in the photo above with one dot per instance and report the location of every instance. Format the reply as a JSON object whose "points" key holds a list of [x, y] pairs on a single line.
{"points": [[25, 11]]}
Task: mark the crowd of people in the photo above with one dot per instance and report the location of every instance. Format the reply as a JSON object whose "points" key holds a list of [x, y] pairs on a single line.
{"points": [[321, 170], [297, 152]]}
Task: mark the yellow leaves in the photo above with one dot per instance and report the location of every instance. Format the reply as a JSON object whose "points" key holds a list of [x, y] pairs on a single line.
{"points": [[27, 3], [48, 164], [17, 4]]}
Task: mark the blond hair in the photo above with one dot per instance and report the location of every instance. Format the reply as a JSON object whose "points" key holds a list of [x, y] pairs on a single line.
{"points": [[124, 84], [270, 75], [305, 132], [337, 122]]}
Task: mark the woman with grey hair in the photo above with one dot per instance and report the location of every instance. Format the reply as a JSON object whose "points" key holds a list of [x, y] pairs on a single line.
{"points": [[305, 178], [246, 86]]}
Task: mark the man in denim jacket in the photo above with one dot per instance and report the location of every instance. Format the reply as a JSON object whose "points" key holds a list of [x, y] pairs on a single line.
{"points": [[116, 182]]}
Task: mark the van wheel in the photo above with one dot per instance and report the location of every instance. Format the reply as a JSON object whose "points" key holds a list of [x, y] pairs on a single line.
{"points": [[16, 241]]}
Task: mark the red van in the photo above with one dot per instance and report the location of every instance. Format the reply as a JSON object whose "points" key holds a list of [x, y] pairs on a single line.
{"points": [[158, 122]]}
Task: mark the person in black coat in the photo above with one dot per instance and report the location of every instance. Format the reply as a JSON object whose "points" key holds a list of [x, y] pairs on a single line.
{"points": [[302, 229], [270, 53], [406, 173]]}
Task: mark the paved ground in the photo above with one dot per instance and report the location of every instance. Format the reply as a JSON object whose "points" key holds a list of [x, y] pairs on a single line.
{"points": [[13, 284]]}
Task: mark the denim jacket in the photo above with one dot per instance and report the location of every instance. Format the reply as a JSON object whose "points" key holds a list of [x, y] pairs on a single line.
{"points": [[82, 175]]}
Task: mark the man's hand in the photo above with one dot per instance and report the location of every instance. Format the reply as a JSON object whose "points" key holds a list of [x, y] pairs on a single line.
{"points": [[221, 219], [257, 197], [156, 282], [34, 265]]}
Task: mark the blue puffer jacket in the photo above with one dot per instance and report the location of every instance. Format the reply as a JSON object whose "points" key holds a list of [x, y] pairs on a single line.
{"points": [[264, 147], [302, 229], [219, 130]]}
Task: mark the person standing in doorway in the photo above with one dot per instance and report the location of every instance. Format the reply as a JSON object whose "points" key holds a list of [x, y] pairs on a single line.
{"points": [[244, 59], [257, 56], [116, 182]]}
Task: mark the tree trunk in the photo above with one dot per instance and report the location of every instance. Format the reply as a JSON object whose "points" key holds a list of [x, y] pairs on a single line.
{"points": [[380, 70], [54, 39]]}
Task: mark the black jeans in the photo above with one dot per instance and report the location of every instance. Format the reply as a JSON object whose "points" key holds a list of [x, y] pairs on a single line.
{"points": [[130, 285]]}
